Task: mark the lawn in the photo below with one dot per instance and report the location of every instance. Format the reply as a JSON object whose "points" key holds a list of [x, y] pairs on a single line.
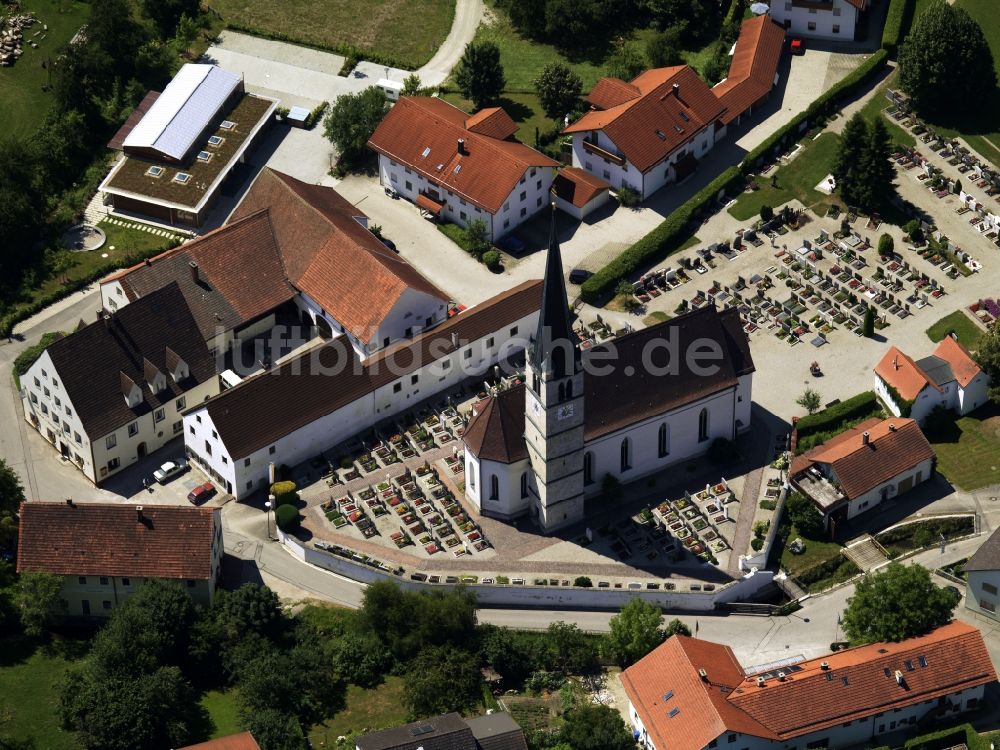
{"points": [[23, 85], [968, 451], [797, 179], [524, 108], [873, 109], [366, 710], [408, 32], [816, 553], [29, 691], [221, 709], [967, 330]]}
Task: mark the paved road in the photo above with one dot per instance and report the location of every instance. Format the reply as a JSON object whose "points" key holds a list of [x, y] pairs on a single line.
{"points": [[468, 14]]}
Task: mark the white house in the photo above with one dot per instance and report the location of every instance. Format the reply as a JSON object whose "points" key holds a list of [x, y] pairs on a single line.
{"points": [[579, 193], [863, 467], [326, 396], [461, 167], [113, 391], [949, 377], [823, 19], [982, 585], [104, 551], [691, 694], [627, 409]]}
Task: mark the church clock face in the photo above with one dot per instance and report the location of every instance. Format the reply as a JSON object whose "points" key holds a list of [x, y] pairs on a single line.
{"points": [[536, 407], [565, 412]]}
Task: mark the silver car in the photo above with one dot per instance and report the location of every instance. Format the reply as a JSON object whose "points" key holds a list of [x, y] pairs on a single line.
{"points": [[169, 470]]}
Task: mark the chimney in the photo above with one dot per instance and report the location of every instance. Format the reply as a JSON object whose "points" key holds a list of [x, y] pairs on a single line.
{"points": [[194, 271], [106, 317], [677, 90], [824, 665], [703, 675], [461, 146], [781, 676], [892, 428], [761, 681], [149, 262], [69, 502], [138, 513], [895, 362], [864, 437], [454, 340]]}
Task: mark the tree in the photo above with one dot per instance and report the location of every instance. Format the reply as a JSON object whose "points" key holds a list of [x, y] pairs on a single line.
{"points": [[945, 64], [477, 237], [578, 24], [847, 168], [352, 120], [696, 20], [876, 168], [625, 62], [411, 85], [252, 608], [868, 325], [528, 16], [361, 659], [37, 600], [570, 651], [166, 14], [886, 244], [507, 652], [442, 679], [899, 602], [635, 631], [663, 49], [809, 400], [11, 489], [676, 627], [596, 727], [296, 682], [558, 90], [276, 730], [479, 74], [766, 213], [804, 516], [987, 356]]}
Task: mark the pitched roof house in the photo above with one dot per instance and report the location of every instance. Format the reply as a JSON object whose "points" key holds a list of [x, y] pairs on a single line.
{"points": [[834, 20], [949, 377], [753, 69], [113, 391], [861, 467], [691, 694], [104, 551], [982, 584], [241, 741], [497, 731], [461, 167]]}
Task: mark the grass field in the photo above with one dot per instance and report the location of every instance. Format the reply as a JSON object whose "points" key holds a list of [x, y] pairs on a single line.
{"points": [[524, 108], [873, 109], [221, 710], [366, 710], [408, 32], [22, 84], [968, 332], [29, 691], [797, 179], [968, 452]]}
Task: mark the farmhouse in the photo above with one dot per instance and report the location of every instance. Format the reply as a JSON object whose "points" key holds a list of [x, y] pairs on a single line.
{"points": [[691, 694], [461, 167], [949, 377], [862, 467], [179, 152], [104, 551], [982, 587], [822, 19]]}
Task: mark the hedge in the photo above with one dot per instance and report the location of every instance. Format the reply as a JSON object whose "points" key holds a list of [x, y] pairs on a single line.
{"points": [[284, 492], [862, 405], [897, 21], [287, 517], [942, 739], [670, 234]]}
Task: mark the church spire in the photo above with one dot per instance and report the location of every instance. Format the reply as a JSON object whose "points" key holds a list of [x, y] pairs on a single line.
{"points": [[555, 341]]}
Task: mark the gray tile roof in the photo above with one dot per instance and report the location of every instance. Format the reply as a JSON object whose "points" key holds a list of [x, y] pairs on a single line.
{"points": [[987, 557]]}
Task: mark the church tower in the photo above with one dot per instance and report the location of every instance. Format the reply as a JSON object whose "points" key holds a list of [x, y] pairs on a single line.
{"points": [[553, 424]]}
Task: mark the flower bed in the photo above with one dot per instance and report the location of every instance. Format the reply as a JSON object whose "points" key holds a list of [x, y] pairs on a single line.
{"points": [[699, 524]]}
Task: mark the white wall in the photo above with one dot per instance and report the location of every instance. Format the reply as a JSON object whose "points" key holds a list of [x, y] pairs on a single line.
{"points": [[825, 20], [414, 311], [920, 474], [508, 503], [982, 592], [974, 394]]}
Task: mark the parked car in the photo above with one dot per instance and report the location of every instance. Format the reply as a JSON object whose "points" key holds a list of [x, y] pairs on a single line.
{"points": [[579, 275], [201, 493], [170, 470], [797, 46], [511, 244]]}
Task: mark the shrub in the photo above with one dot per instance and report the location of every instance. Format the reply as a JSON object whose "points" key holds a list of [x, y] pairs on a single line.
{"points": [[542, 681], [583, 582], [897, 19], [756, 544], [491, 259], [861, 406], [287, 517], [628, 196], [284, 493], [27, 358]]}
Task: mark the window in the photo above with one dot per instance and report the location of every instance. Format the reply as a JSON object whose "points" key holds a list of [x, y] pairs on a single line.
{"points": [[409, 185], [55, 418], [104, 580], [588, 468], [225, 460], [989, 588], [506, 223], [626, 455], [446, 364], [812, 25], [46, 392], [126, 581], [472, 476], [513, 331], [538, 201], [34, 398], [159, 415], [58, 402], [271, 450], [663, 441], [489, 343], [407, 170], [45, 409], [77, 438], [703, 426], [181, 403], [393, 177], [731, 738], [106, 604], [524, 212], [198, 417], [462, 216], [250, 485], [215, 435], [909, 665], [588, 166], [812, 11], [494, 487], [467, 354], [208, 448], [414, 379], [836, 28], [69, 412], [246, 461], [82, 580], [607, 174], [38, 383], [397, 387], [110, 442], [113, 464], [178, 426], [836, 11], [538, 185], [524, 485], [133, 429], [788, 6]]}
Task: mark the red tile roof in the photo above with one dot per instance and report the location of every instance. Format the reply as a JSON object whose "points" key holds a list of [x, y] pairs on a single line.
{"points": [[578, 186], [963, 366], [903, 374], [485, 175], [496, 432], [492, 122], [112, 539], [241, 741], [752, 69], [860, 4], [611, 92], [117, 141], [894, 446], [329, 255], [855, 685], [650, 127]]}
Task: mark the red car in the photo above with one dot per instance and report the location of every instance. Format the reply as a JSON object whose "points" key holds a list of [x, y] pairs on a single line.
{"points": [[201, 493], [797, 46]]}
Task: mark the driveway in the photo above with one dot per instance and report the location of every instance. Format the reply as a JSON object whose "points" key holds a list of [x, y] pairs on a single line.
{"points": [[468, 14]]}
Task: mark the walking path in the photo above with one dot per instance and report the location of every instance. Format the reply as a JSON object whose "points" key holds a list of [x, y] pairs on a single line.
{"points": [[468, 14]]}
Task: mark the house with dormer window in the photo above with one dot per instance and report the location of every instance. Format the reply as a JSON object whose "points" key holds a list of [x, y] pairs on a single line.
{"points": [[113, 391]]}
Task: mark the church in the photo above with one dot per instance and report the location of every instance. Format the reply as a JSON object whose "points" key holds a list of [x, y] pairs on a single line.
{"points": [[626, 408]]}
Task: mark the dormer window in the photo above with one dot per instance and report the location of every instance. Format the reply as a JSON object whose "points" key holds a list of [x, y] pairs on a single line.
{"points": [[131, 391], [155, 378], [177, 367]]}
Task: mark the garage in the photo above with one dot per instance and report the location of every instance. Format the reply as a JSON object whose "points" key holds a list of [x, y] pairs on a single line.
{"points": [[579, 193]]}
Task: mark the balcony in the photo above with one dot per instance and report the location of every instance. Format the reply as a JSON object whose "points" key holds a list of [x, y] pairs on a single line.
{"points": [[592, 148]]}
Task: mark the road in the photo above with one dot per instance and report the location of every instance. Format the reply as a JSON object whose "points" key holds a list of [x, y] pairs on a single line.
{"points": [[468, 14]]}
